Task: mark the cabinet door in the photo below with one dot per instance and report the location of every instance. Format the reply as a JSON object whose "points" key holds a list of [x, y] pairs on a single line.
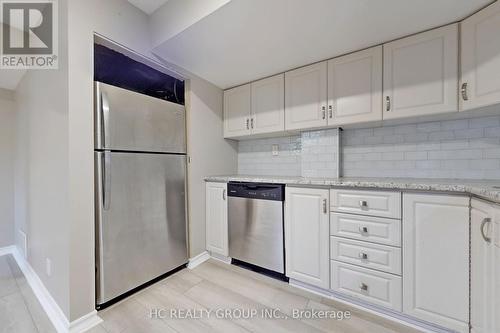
{"points": [[421, 74], [482, 267], [481, 58], [268, 105], [436, 259], [216, 218], [307, 236], [355, 87], [237, 107], [305, 97], [496, 283], [495, 262]]}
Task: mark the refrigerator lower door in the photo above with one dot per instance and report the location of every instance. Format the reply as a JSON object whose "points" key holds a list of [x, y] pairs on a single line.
{"points": [[141, 219]]}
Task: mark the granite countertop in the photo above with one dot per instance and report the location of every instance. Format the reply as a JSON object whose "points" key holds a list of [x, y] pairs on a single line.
{"points": [[484, 189]]}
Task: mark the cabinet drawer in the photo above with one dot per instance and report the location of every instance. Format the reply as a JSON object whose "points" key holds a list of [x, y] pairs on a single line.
{"points": [[366, 228], [366, 284], [375, 203], [381, 257]]}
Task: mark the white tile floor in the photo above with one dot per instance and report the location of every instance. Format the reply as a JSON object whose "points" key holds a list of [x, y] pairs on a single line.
{"points": [[20, 311], [212, 285], [215, 285]]}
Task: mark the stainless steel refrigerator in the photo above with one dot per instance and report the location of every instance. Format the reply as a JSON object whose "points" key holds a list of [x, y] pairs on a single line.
{"points": [[140, 182]]}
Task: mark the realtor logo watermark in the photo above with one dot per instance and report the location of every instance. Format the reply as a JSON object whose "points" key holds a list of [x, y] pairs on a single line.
{"points": [[29, 34]]}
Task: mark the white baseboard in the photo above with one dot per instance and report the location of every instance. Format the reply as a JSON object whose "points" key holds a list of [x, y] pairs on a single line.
{"points": [[50, 306], [7, 250], [219, 257], [85, 323], [204, 256], [198, 260]]}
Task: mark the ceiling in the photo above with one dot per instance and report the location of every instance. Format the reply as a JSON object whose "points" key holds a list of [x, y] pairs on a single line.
{"points": [[249, 39], [148, 6]]}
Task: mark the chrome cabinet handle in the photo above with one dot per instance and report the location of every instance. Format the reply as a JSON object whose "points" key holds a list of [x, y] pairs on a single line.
{"points": [[224, 194], [363, 203], [330, 111], [464, 91], [325, 208], [363, 255], [363, 230], [363, 287], [106, 191], [323, 108], [387, 103], [248, 123], [251, 123], [483, 224]]}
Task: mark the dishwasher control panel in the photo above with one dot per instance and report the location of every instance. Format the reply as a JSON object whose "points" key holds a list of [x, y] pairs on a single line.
{"points": [[264, 191]]}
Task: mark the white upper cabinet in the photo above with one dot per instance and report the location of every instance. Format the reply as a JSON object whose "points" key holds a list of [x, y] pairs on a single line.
{"points": [[305, 97], [355, 87], [436, 259], [421, 74], [255, 108], [307, 236], [237, 109], [268, 105], [480, 50]]}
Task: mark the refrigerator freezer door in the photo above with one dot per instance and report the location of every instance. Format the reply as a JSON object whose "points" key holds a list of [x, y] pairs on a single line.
{"points": [[129, 121], [141, 234]]}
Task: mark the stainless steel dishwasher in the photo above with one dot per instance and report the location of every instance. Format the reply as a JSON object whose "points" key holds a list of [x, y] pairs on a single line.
{"points": [[256, 237]]}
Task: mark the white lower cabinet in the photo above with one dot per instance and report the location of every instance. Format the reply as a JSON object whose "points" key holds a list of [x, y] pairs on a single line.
{"points": [[485, 265], [375, 256], [216, 218], [436, 259], [366, 284], [307, 236]]}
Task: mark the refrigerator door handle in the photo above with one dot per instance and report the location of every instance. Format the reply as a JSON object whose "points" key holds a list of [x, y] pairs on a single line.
{"points": [[106, 181], [102, 117], [105, 118]]}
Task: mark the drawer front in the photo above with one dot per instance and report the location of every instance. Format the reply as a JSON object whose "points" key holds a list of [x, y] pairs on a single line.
{"points": [[366, 284], [366, 228], [380, 257], [374, 203]]}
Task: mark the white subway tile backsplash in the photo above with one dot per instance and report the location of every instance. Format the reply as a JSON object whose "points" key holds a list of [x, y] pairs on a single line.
{"points": [[492, 132], [465, 148]]}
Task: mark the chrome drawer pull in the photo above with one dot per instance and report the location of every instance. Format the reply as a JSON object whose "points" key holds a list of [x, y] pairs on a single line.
{"points": [[363, 230], [363, 203], [363, 287], [363, 256]]}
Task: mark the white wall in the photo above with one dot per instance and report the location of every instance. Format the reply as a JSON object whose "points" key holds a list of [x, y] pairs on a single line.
{"points": [[124, 24], [41, 200], [210, 154], [7, 147], [54, 200]]}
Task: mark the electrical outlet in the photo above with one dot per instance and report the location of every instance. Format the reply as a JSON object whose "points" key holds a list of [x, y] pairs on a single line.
{"points": [[48, 264], [276, 150]]}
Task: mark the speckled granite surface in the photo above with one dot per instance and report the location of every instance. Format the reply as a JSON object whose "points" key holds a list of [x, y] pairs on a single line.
{"points": [[484, 189]]}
